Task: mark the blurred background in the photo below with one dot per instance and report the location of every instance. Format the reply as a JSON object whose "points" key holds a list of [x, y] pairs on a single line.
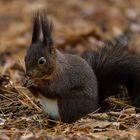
{"points": [[78, 24]]}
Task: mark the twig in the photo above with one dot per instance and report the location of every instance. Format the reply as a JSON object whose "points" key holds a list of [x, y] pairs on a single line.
{"points": [[38, 109]]}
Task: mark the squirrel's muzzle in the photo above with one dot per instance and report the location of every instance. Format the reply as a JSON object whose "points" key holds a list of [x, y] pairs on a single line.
{"points": [[29, 73]]}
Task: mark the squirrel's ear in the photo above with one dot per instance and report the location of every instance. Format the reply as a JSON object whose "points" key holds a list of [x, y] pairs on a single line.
{"points": [[47, 28], [36, 27]]}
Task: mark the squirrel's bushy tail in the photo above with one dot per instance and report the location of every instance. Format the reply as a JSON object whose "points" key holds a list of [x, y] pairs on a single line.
{"points": [[116, 67]]}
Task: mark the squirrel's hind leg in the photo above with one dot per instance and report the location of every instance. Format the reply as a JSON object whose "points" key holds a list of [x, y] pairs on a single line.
{"points": [[72, 109]]}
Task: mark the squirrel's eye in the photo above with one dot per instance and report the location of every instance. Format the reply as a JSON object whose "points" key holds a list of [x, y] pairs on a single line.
{"points": [[41, 61]]}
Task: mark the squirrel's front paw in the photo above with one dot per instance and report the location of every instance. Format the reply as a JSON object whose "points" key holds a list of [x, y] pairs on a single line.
{"points": [[28, 83]]}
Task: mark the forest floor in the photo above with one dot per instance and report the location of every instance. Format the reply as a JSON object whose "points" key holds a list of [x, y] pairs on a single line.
{"points": [[78, 25]]}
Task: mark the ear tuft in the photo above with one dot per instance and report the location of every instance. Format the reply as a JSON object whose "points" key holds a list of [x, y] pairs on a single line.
{"points": [[47, 28], [36, 27]]}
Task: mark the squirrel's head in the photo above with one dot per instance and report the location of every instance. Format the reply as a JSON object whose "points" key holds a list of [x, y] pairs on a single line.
{"points": [[40, 57]]}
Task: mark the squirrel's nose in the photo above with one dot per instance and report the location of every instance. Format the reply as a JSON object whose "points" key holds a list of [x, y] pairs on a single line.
{"points": [[29, 73]]}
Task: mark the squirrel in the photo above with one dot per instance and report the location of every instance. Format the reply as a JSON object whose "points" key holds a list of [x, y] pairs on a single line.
{"points": [[70, 86], [65, 84]]}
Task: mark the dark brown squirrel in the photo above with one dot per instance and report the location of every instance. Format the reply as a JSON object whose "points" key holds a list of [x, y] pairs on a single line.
{"points": [[66, 84]]}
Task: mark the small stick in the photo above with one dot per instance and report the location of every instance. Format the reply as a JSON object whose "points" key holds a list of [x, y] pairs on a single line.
{"points": [[19, 91]]}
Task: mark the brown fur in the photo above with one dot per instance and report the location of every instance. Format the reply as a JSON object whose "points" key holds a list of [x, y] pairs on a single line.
{"points": [[67, 78]]}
